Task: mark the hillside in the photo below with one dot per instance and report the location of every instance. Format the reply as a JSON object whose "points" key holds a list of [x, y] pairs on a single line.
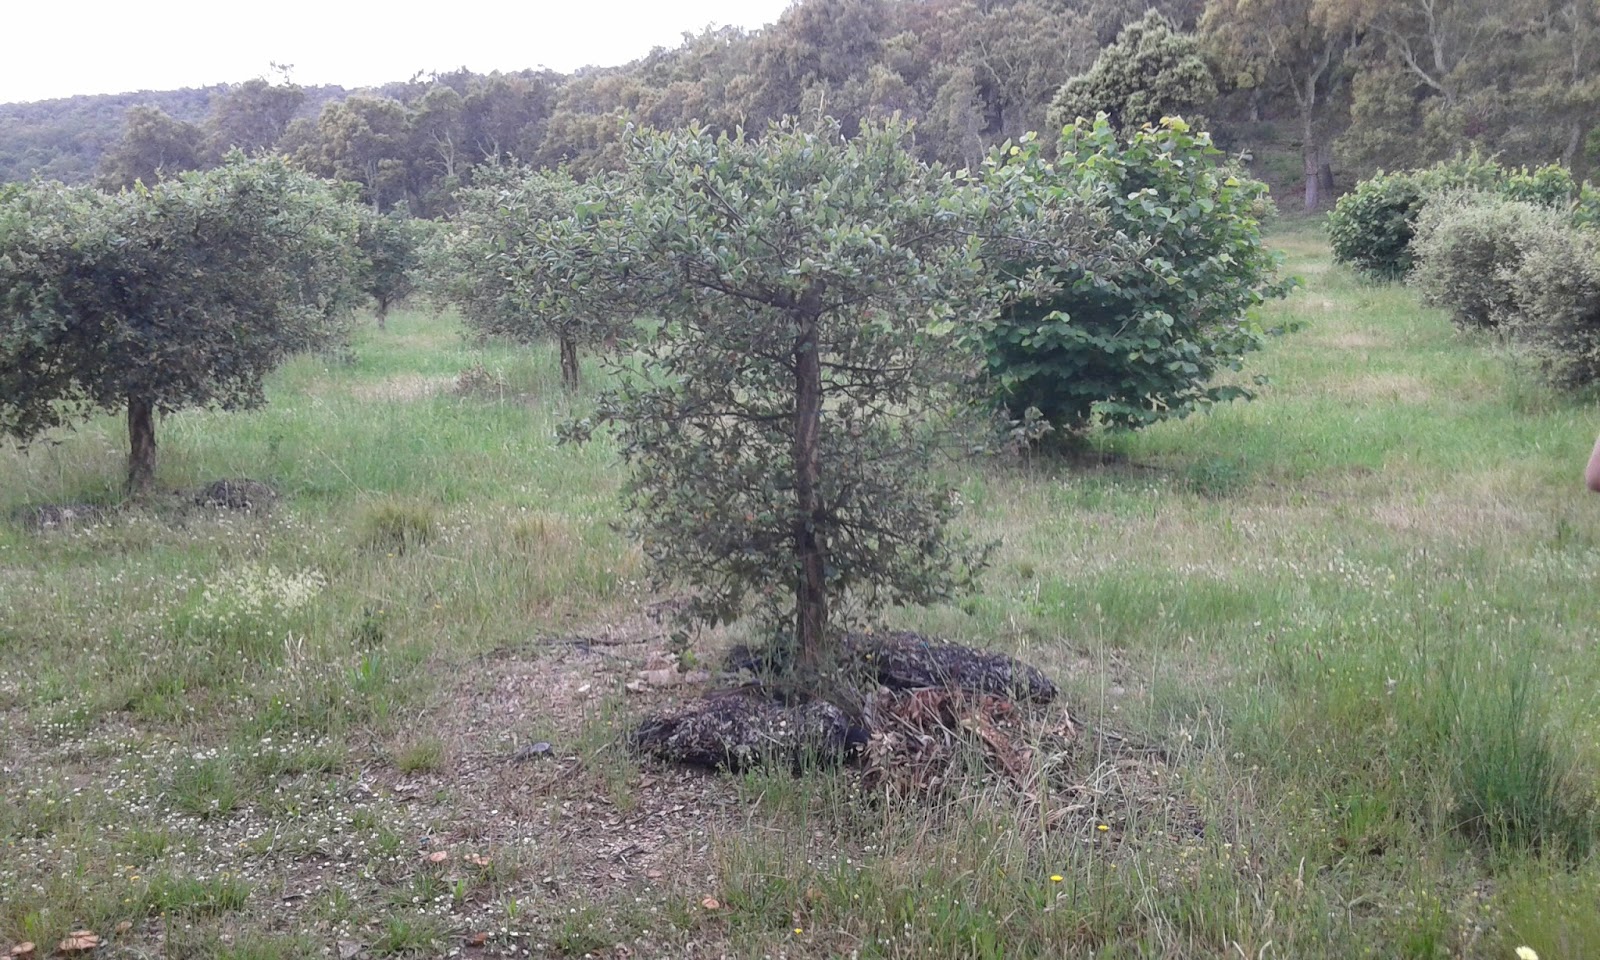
{"points": [[1337, 95], [64, 139]]}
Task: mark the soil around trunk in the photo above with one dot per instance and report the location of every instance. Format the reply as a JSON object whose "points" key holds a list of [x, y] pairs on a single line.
{"points": [[738, 729], [236, 494], [894, 685]]}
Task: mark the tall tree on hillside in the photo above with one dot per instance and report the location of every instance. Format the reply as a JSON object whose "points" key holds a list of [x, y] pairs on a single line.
{"points": [[819, 43], [1021, 54], [440, 158], [362, 140], [953, 124], [1431, 75], [252, 116], [1150, 72], [153, 145], [504, 115], [1562, 88], [1294, 45]]}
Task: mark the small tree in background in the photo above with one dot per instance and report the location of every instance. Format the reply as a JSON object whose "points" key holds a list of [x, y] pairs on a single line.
{"points": [[183, 294], [812, 294], [525, 261], [1153, 70], [391, 248], [1136, 342]]}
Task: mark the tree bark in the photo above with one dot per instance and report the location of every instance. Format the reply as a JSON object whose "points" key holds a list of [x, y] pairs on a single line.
{"points": [[1577, 154], [811, 590], [1313, 181], [141, 445], [383, 313], [569, 363]]}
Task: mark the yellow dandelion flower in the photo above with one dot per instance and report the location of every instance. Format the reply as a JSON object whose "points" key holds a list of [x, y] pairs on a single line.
{"points": [[1102, 828], [1055, 878], [797, 930]]}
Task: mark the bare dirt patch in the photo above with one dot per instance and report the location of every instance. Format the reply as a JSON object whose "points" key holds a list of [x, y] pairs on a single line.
{"points": [[400, 388], [614, 824]]}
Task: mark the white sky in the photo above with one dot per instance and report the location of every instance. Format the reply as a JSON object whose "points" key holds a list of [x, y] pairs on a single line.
{"points": [[63, 48]]}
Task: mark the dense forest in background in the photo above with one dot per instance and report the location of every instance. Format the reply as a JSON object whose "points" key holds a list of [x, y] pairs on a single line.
{"points": [[1314, 93]]}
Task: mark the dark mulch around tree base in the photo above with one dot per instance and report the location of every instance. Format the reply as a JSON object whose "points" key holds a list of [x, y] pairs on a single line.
{"points": [[54, 516], [737, 729], [909, 693], [236, 494], [933, 720], [901, 660]]}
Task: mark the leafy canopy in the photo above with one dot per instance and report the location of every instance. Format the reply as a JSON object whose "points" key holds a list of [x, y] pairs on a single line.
{"points": [[1140, 339], [1153, 70], [391, 247], [784, 418], [1371, 228], [182, 294], [524, 260]]}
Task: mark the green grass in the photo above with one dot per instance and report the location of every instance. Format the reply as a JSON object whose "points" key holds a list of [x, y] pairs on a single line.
{"points": [[1356, 616]]}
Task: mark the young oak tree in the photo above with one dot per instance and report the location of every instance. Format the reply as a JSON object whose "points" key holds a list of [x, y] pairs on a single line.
{"points": [[182, 294], [391, 257], [524, 261], [810, 297]]}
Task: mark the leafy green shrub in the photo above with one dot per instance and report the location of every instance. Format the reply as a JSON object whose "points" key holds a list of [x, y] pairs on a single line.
{"points": [[1468, 251], [1586, 208], [1520, 267], [1549, 186], [1138, 341], [1372, 227], [1557, 290]]}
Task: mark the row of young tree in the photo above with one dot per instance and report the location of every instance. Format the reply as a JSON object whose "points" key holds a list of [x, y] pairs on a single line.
{"points": [[1359, 83], [802, 322]]}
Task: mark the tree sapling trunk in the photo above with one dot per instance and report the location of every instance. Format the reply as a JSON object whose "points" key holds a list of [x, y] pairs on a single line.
{"points": [[569, 363], [811, 591], [141, 444]]}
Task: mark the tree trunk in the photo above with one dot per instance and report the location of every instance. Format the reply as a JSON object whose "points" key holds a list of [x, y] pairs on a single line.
{"points": [[383, 313], [141, 445], [1325, 180], [1313, 186], [1577, 152], [569, 363], [811, 590]]}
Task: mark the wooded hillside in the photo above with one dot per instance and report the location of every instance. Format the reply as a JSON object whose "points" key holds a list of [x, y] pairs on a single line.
{"points": [[1312, 91]]}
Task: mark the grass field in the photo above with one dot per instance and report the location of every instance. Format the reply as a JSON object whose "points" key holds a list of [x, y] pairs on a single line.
{"points": [[1330, 658]]}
